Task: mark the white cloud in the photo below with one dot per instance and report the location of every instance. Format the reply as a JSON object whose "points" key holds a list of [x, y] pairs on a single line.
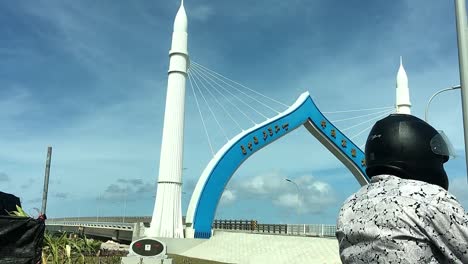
{"points": [[322, 187], [289, 200], [127, 189], [201, 13], [310, 195], [263, 183], [314, 195], [228, 196], [61, 195], [16, 103], [4, 177]]}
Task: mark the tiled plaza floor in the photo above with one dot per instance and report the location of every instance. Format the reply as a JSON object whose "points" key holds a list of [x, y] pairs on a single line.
{"points": [[246, 248]]}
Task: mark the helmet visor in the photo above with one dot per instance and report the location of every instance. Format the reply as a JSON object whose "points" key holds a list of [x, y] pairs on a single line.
{"points": [[440, 145]]}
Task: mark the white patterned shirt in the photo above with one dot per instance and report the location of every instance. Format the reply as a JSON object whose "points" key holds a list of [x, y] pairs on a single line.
{"points": [[394, 220]]}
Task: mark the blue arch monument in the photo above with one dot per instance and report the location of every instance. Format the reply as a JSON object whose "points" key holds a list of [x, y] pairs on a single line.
{"points": [[218, 172]]}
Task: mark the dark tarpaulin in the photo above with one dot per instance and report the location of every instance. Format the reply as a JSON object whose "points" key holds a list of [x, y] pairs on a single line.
{"points": [[21, 239], [8, 203]]}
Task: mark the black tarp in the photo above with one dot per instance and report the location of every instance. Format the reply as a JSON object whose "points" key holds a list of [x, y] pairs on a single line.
{"points": [[21, 239], [8, 203]]}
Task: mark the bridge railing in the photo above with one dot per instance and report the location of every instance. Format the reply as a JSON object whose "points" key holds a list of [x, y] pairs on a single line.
{"points": [[105, 219], [105, 225], [317, 230], [312, 230], [253, 226], [249, 225]]}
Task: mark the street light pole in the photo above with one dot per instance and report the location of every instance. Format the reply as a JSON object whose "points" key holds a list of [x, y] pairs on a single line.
{"points": [[298, 194], [125, 204], [97, 207], [462, 35], [434, 95], [46, 181]]}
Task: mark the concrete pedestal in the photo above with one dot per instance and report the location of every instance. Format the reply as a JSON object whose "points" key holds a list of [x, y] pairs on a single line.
{"points": [[145, 260]]}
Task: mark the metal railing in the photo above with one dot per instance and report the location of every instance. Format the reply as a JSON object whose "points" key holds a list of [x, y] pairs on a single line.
{"points": [[105, 219], [318, 230], [104, 225], [312, 230], [251, 226]]}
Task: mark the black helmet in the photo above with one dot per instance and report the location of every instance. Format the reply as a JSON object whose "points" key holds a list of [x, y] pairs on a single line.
{"points": [[407, 147]]}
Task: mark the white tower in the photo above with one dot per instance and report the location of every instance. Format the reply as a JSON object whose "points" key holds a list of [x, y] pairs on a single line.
{"points": [[403, 104], [167, 214]]}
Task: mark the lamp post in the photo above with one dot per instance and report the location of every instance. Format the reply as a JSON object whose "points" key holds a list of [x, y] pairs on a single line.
{"points": [[298, 194], [46, 181], [434, 95], [462, 37], [125, 204], [97, 207]]}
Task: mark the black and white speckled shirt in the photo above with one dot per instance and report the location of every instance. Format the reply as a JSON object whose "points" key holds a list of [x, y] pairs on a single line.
{"points": [[393, 220]]}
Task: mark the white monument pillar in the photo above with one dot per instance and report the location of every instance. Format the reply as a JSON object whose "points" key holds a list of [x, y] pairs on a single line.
{"points": [[403, 104], [167, 214]]}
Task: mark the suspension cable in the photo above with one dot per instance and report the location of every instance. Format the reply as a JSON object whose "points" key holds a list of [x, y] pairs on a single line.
{"points": [[355, 117], [204, 86], [240, 100], [362, 131], [251, 97], [276, 101], [377, 117], [357, 110], [209, 108], [362, 146], [199, 111], [217, 101]]}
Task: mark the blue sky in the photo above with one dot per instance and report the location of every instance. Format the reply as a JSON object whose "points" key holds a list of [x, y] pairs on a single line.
{"points": [[89, 78]]}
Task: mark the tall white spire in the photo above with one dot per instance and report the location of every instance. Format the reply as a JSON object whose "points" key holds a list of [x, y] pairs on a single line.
{"points": [[403, 104], [167, 214], [180, 22]]}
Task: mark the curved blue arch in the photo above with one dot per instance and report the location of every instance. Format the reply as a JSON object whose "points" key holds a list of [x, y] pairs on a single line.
{"points": [[217, 174]]}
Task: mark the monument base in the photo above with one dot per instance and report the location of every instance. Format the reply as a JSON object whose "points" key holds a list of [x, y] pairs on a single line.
{"points": [[147, 250], [145, 260]]}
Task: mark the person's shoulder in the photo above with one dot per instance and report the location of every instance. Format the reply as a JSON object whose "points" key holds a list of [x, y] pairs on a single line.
{"points": [[357, 195], [445, 209], [444, 197], [420, 190]]}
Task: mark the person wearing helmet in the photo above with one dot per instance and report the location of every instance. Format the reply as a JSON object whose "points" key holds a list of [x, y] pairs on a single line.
{"points": [[405, 214]]}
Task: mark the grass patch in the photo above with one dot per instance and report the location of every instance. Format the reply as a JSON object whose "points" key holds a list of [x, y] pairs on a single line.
{"points": [[178, 259]]}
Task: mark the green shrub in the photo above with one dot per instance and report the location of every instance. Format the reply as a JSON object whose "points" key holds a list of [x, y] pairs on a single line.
{"points": [[82, 249], [19, 212]]}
